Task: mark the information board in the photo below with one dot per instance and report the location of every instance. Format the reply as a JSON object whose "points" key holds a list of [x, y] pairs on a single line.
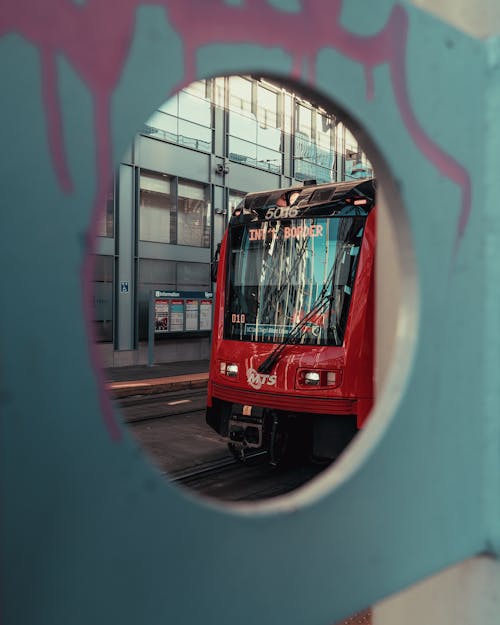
{"points": [[181, 311]]}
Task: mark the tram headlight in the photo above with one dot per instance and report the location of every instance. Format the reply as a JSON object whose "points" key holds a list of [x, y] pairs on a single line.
{"points": [[228, 368], [319, 378], [232, 370], [312, 378]]}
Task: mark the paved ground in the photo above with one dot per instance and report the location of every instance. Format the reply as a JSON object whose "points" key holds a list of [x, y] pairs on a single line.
{"points": [[164, 370], [163, 378]]}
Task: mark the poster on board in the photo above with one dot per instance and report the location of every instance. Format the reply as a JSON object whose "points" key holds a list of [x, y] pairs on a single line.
{"points": [[161, 315], [205, 314], [192, 314], [176, 315]]}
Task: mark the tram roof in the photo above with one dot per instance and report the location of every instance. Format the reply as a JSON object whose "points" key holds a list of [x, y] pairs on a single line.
{"points": [[312, 195]]}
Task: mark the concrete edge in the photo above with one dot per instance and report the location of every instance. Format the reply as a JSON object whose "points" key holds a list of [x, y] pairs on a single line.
{"points": [[148, 388]]}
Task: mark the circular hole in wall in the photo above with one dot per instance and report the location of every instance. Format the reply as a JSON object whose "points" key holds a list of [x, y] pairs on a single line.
{"points": [[251, 333]]}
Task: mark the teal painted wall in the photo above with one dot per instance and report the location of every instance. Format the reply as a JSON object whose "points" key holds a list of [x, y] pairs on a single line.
{"points": [[91, 533]]}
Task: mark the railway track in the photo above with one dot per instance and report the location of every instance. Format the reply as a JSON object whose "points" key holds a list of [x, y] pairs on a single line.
{"points": [[228, 479], [172, 429], [138, 408], [210, 469]]}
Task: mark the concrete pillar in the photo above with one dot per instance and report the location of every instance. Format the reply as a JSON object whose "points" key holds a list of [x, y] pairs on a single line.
{"points": [[465, 594], [125, 301], [469, 592]]}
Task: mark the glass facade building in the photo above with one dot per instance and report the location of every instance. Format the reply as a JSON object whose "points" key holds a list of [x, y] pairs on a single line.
{"points": [[175, 188]]}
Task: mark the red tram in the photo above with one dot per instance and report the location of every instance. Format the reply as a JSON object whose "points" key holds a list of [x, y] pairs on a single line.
{"points": [[293, 342]]}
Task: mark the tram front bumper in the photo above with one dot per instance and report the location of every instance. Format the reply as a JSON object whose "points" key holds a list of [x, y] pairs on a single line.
{"points": [[241, 424]]}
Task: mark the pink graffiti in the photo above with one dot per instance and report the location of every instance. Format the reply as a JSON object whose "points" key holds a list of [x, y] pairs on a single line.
{"points": [[95, 38]]}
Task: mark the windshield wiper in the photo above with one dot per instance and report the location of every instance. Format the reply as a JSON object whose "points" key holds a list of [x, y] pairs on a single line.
{"points": [[293, 336], [296, 261], [295, 331]]}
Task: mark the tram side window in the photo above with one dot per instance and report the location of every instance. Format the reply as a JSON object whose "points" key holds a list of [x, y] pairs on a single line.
{"points": [[345, 278], [245, 287]]}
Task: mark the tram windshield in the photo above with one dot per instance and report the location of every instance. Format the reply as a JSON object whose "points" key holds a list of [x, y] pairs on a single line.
{"points": [[289, 274]]}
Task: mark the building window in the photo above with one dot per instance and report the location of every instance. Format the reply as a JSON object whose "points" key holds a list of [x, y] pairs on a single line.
{"points": [[340, 150], [314, 154], [193, 277], [267, 108], [186, 118], [199, 88], [165, 219], [304, 122], [353, 166], [157, 209], [325, 151], [351, 144], [234, 198], [254, 129], [195, 122], [240, 94], [105, 227], [193, 214], [103, 298], [304, 146]]}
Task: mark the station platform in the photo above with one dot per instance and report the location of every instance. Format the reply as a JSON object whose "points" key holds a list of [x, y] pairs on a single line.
{"points": [[160, 378]]}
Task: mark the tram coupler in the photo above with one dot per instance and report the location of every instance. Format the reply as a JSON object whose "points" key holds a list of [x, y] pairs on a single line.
{"points": [[246, 429]]}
